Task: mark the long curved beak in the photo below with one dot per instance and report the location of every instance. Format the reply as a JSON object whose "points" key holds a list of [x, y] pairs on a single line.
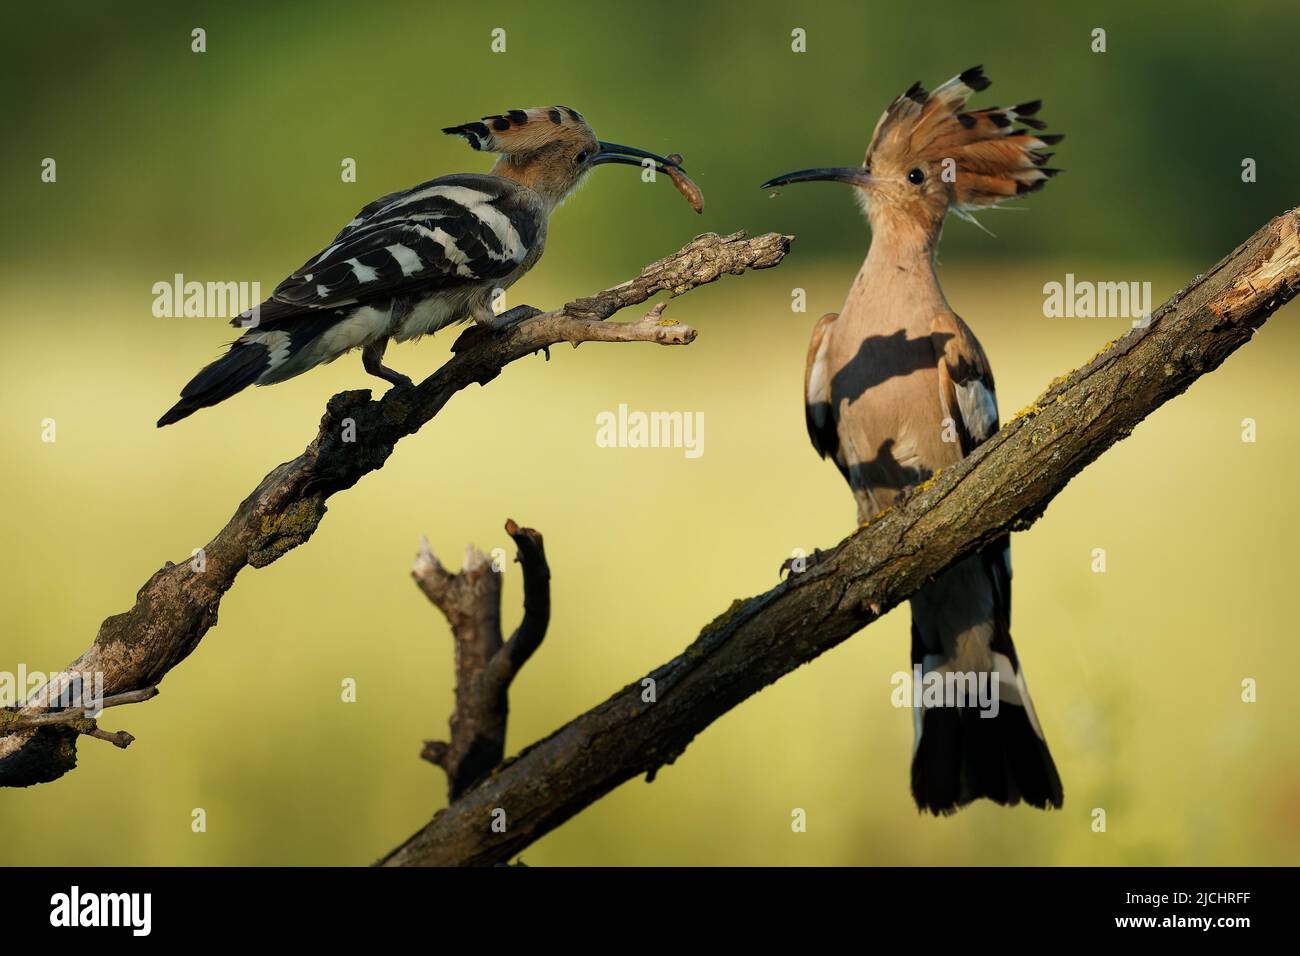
{"points": [[854, 175], [631, 156]]}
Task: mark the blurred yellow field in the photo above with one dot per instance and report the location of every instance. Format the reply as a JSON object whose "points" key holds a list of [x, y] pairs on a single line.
{"points": [[1138, 669]]}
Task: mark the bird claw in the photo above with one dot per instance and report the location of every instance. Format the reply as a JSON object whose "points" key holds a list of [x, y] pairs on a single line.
{"points": [[788, 565], [520, 313], [372, 360], [396, 379]]}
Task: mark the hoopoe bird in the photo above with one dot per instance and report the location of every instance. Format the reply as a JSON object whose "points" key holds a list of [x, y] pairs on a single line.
{"points": [[897, 387], [418, 260]]}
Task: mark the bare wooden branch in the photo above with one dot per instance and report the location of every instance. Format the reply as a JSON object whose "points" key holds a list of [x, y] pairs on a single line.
{"points": [[11, 721], [485, 665], [507, 662], [178, 604], [1004, 485], [71, 721]]}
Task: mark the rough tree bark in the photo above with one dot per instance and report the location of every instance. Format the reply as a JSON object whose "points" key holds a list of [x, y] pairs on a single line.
{"points": [[1004, 485], [177, 606]]}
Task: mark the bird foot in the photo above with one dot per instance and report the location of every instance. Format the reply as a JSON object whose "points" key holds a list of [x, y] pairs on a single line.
{"points": [[520, 313], [800, 563], [372, 360], [396, 379]]}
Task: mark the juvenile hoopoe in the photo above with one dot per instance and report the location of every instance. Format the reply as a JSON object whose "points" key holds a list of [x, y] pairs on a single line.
{"points": [[897, 387], [415, 261]]}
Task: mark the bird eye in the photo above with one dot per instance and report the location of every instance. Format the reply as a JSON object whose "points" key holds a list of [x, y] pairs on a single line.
{"points": [[916, 177], [581, 157]]}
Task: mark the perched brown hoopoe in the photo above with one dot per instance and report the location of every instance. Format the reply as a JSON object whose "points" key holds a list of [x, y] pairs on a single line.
{"points": [[415, 261], [897, 387]]}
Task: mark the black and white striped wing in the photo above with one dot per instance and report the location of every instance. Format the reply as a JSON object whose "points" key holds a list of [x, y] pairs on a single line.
{"points": [[966, 389], [448, 232]]}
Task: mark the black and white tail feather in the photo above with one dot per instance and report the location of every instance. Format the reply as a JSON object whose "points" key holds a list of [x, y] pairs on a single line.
{"points": [[967, 753]]}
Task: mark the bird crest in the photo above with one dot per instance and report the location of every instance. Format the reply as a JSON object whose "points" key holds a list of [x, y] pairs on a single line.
{"points": [[522, 131], [990, 157]]}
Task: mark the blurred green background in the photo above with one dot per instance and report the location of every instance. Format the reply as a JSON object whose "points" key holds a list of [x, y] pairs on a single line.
{"points": [[225, 166]]}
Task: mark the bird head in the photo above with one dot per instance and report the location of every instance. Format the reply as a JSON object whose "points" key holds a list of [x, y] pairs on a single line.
{"points": [[928, 156], [550, 149]]}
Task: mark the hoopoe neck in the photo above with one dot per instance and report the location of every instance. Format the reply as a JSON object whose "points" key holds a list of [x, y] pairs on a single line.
{"points": [[897, 282], [530, 174], [902, 240]]}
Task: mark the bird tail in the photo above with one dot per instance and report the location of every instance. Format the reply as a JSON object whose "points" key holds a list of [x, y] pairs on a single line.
{"points": [[239, 368], [964, 756], [984, 739]]}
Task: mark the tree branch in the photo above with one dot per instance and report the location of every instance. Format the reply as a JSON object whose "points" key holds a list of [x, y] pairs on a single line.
{"points": [[1005, 484], [78, 719], [485, 666], [508, 661], [177, 606]]}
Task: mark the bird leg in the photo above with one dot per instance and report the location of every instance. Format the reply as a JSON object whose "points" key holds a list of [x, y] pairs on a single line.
{"points": [[372, 360]]}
